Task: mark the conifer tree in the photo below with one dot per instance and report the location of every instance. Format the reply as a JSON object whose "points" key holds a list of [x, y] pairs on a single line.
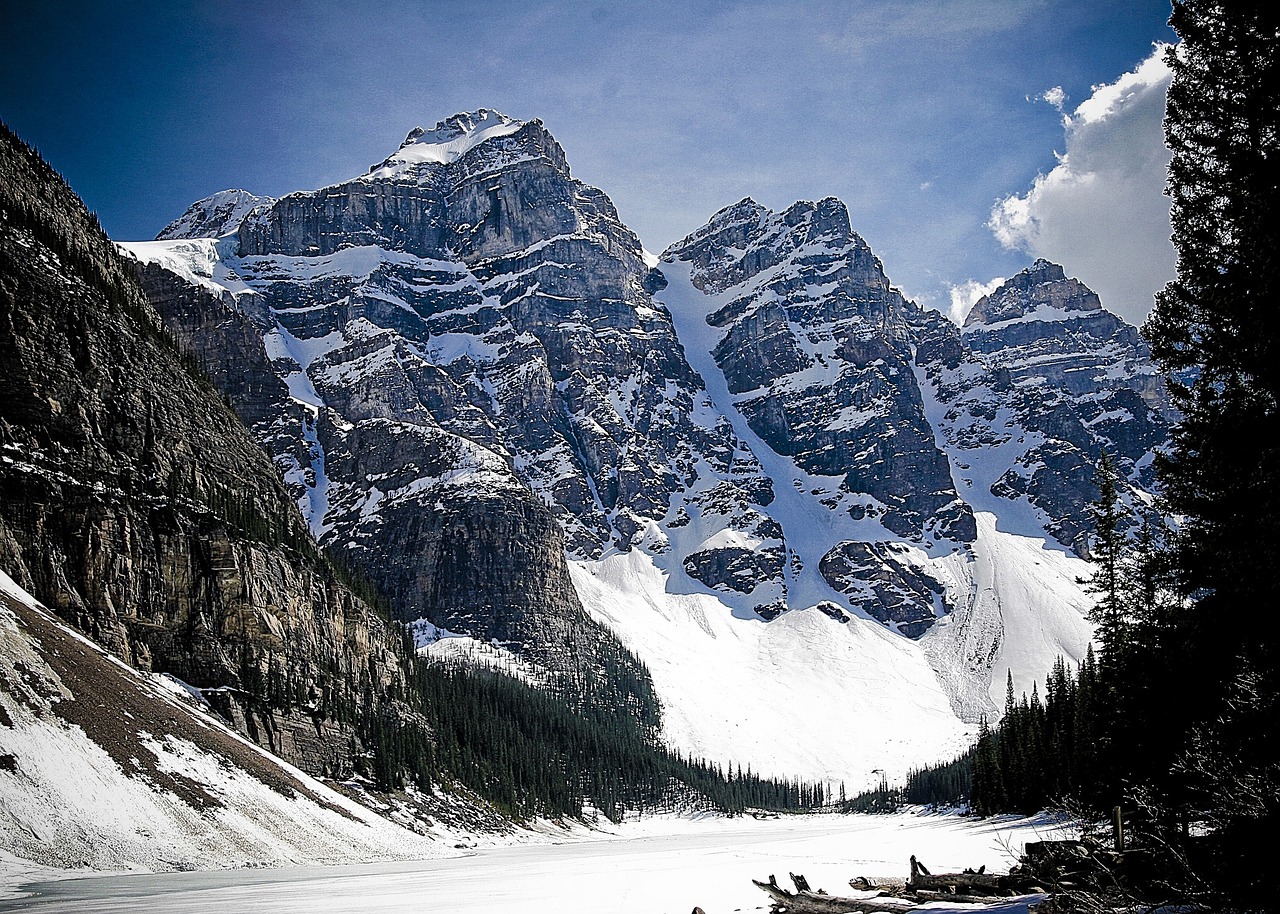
{"points": [[1106, 553]]}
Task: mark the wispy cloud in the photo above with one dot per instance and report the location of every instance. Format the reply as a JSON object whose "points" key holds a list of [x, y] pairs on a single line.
{"points": [[1101, 211], [934, 21]]}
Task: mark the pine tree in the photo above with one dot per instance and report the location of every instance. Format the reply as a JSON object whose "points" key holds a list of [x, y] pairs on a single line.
{"points": [[1106, 552]]}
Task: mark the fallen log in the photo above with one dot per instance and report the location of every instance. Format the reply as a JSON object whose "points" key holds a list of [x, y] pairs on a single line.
{"points": [[805, 901], [977, 883], [922, 878]]}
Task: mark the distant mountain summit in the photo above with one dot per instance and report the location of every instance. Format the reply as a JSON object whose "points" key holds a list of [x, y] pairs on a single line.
{"points": [[756, 465], [1075, 380], [216, 215], [1043, 285]]}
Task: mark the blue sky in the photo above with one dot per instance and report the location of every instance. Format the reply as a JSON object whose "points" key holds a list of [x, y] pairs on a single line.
{"points": [[966, 137]]}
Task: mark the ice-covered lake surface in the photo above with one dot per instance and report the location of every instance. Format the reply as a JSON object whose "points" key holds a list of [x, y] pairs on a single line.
{"points": [[655, 866]]}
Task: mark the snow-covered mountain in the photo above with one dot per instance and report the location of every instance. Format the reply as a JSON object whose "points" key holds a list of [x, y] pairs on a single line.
{"points": [[138, 507], [1071, 379], [825, 519]]}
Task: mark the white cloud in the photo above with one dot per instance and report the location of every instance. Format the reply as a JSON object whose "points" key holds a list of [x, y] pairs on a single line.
{"points": [[1055, 96], [965, 295], [1101, 211]]}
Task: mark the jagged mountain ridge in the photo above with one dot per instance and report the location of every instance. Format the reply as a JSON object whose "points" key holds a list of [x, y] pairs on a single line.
{"points": [[490, 353], [762, 425], [815, 351], [1076, 380], [866, 364], [142, 509]]}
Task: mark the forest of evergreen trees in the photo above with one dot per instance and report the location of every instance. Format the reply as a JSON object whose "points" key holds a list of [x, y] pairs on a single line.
{"points": [[527, 750], [536, 756], [530, 751]]}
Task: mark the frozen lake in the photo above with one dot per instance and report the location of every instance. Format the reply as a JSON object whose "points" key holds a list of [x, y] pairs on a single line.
{"points": [[651, 867]]}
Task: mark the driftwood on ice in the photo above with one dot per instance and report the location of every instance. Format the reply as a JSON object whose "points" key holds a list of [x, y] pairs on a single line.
{"points": [[970, 882], [805, 901], [970, 886]]}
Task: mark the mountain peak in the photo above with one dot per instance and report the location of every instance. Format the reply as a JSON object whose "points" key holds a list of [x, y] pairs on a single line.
{"points": [[828, 216], [451, 138], [1042, 291], [216, 215], [733, 226], [746, 208], [1045, 271]]}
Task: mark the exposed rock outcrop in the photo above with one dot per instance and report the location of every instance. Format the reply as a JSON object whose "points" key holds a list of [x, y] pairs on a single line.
{"points": [[817, 350]]}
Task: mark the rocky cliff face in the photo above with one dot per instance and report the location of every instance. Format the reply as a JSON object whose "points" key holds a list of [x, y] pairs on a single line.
{"points": [[136, 504], [816, 352]]}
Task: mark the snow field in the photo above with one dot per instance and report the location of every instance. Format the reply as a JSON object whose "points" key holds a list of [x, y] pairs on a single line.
{"points": [[654, 866], [66, 802], [802, 696]]}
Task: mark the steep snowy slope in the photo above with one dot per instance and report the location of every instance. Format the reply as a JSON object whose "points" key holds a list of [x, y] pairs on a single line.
{"points": [[805, 693], [823, 517], [107, 768], [830, 666], [803, 342]]}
